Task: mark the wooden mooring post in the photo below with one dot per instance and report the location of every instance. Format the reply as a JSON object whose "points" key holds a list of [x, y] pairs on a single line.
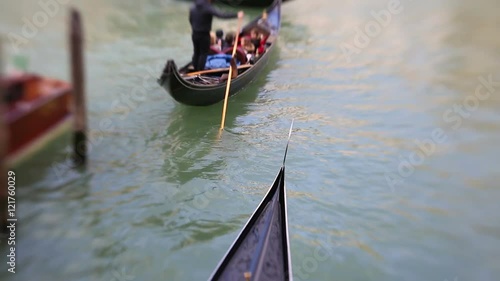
{"points": [[76, 43]]}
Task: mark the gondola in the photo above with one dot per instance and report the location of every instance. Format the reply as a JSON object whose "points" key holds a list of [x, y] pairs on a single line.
{"points": [[262, 249], [207, 87]]}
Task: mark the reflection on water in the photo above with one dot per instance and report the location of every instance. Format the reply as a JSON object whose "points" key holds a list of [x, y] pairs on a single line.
{"points": [[188, 141], [162, 193]]}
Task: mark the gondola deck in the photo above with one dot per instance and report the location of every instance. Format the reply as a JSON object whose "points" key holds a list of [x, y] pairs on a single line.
{"points": [[211, 78]]}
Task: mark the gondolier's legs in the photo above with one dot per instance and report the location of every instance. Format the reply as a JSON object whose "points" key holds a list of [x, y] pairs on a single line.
{"points": [[201, 47]]}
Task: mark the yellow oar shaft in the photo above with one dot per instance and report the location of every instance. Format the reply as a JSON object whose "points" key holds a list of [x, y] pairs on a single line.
{"points": [[228, 86]]}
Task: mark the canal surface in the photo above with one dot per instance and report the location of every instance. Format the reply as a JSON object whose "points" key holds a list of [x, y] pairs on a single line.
{"points": [[392, 169]]}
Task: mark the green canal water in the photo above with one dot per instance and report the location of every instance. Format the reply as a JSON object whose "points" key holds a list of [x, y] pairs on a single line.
{"points": [[392, 170]]}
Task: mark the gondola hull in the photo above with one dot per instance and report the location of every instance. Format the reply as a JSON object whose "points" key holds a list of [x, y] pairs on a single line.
{"points": [[261, 250], [197, 95], [186, 92]]}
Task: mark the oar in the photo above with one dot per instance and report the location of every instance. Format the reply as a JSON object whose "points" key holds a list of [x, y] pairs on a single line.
{"points": [[230, 76]]}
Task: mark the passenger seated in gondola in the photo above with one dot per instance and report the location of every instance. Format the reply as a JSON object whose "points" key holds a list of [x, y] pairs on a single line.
{"points": [[219, 39], [222, 59], [218, 58], [254, 38], [229, 40], [258, 40], [240, 52], [248, 47], [214, 48]]}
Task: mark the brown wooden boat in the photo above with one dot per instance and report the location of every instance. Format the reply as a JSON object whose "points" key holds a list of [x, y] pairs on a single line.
{"points": [[37, 109]]}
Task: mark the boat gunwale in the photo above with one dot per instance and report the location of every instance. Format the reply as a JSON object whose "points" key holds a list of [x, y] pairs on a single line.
{"points": [[12, 115]]}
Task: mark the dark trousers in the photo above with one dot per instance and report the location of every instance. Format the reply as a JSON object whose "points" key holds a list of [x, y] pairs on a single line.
{"points": [[201, 46]]}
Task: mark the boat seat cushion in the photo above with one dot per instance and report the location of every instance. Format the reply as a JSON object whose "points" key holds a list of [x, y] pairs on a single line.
{"points": [[219, 61]]}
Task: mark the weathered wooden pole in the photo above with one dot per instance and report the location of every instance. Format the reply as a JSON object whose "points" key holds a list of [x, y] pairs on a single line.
{"points": [[76, 43]]}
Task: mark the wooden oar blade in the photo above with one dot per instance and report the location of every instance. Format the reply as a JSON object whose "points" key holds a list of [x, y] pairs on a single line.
{"points": [[235, 68]]}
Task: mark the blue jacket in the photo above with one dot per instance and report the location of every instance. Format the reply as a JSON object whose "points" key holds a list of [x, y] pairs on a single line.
{"points": [[202, 13]]}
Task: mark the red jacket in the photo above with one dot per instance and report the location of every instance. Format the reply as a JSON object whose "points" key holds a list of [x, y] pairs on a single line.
{"points": [[261, 47]]}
